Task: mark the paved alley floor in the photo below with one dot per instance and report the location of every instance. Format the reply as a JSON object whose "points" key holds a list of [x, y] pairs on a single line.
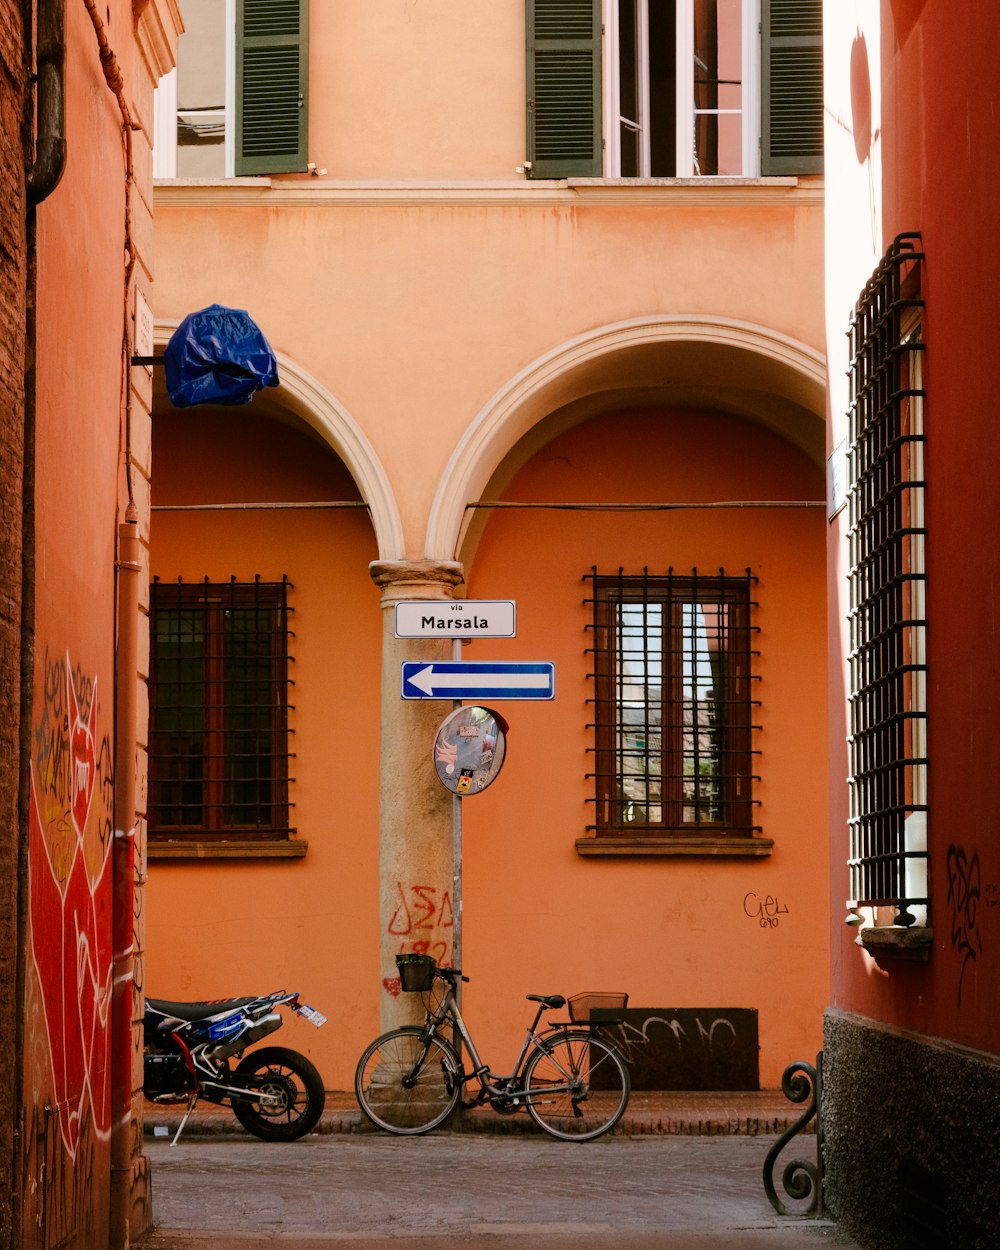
{"points": [[500, 1192]]}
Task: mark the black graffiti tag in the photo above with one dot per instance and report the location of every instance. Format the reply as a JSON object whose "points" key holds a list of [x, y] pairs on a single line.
{"points": [[964, 890]]}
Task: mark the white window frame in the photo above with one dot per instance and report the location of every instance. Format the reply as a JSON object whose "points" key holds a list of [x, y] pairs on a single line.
{"points": [[165, 111], [684, 104]]}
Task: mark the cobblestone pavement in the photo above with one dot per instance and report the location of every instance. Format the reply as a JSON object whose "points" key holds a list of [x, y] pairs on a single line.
{"points": [[498, 1191], [689, 1114]]}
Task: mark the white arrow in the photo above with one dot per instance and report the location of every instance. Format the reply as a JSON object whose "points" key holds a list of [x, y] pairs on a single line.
{"points": [[428, 681]]}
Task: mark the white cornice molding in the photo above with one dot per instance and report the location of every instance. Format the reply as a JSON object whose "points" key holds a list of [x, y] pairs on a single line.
{"points": [[519, 193], [157, 27]]}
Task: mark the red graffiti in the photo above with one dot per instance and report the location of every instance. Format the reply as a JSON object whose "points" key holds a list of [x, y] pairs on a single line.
{"points": [[422, 912], [82, 756], [422, 919], [71, 944]]}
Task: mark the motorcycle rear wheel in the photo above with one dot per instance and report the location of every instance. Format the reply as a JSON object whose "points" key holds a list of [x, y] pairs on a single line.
{"points": [[275, 1070]]}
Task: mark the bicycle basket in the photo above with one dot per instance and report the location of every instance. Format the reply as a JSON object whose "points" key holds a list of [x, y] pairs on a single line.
{"points": [[416, 973], [597, 1008]]}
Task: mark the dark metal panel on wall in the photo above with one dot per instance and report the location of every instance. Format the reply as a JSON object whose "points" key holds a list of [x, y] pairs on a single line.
{"points": [[691, 1048]]}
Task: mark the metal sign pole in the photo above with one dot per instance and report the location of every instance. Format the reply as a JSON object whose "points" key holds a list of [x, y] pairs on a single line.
{"points": [[456, 874]]}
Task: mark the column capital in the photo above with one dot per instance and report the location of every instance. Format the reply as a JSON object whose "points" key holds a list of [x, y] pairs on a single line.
{"points": [[416, 579]]}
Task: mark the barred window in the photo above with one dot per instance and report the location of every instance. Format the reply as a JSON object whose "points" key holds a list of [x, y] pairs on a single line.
{"points": [[672, 704], [218, 690], [888, 671]]}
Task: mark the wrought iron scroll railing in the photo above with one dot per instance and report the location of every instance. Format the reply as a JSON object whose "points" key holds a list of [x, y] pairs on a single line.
{"points": [[801, 1179]]}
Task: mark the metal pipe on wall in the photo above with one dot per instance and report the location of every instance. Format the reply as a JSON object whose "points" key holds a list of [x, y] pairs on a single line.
{"points": [[50, 64]]}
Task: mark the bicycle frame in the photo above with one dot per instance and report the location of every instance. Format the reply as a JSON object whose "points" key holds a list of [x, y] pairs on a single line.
{"points": [[450, 1010], [409, 1080]]}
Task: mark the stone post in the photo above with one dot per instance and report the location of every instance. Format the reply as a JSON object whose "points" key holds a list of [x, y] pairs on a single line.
{"points": [[415, 810]]}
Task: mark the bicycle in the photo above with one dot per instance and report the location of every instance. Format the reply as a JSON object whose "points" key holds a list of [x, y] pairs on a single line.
{"points": [[572, 1081]]}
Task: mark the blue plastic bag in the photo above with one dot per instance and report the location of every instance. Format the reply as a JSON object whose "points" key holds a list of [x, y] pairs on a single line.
{"points": [[218, 356]]}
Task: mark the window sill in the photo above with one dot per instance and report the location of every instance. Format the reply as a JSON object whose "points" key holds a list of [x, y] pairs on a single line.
{"points": [[305, 192], [212, 848], [717, 847], [893, 942]]}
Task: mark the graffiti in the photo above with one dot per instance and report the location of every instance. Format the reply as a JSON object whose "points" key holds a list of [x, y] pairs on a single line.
{"points": [[59, 1204], [70, 899], [423, 919], [69, 764], [992, 892], [964, 889], [766, 910], [690, 1048]]}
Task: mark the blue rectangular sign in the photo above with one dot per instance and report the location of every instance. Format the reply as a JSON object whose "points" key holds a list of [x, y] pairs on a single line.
{"points": [[478, 680]]}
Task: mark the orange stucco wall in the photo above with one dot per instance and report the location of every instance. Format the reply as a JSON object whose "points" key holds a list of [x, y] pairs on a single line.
{"points": [[227, 928], [415, 315], [537, 917], [673, 932], [454, 331]]}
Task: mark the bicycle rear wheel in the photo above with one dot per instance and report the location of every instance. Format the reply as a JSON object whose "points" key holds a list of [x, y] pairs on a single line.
{"points": [[406, 1082], [576, 1086]]}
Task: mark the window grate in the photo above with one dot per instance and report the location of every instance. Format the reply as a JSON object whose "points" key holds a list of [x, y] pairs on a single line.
{"points": [[219, 701], [673, 713], [888, 781]]}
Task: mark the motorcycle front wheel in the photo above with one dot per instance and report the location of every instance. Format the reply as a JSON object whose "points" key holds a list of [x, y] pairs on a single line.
{"points": [[297, 1085]]}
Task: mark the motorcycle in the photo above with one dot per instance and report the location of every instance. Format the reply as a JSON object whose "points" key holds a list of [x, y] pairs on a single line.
{"points": [[190, 1049]]}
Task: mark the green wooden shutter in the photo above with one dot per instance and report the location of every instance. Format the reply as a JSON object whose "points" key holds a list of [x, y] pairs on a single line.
{"points": [[792, 81], [272, 87], [564, 88]]}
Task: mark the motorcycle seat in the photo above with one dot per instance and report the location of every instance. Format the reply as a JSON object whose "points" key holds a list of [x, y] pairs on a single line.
{"points": [[197, 1011]]}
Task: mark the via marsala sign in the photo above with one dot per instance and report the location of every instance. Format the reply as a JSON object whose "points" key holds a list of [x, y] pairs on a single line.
{"points": [[458, 618]]}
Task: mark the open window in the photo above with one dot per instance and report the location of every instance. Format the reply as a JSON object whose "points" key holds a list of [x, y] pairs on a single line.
{"points": [[674, 88], [238, 101]]}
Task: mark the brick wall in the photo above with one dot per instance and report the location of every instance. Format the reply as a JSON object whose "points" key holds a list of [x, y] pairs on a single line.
{"points": [[12, 329]]}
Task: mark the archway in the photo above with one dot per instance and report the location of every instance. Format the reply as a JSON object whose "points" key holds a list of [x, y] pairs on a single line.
{"points": [[734, 367], [300, 396]]}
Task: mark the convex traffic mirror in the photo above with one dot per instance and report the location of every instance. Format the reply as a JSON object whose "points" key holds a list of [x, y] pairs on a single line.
{"points": [[469, 749]]}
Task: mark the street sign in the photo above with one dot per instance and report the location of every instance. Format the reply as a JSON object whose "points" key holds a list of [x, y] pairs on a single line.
{"points": [[458, 618], [453, 679]]}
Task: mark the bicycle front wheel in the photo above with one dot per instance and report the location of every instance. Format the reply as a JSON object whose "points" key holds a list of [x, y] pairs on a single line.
{"points": [[406, 1082], [576, 1086]]}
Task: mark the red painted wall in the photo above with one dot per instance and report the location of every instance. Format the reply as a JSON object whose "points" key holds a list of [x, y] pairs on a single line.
{"points": [[80, 318], [937, 138]]}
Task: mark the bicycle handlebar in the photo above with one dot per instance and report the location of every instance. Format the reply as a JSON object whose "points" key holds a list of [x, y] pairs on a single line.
{"points": [[450, 974]]}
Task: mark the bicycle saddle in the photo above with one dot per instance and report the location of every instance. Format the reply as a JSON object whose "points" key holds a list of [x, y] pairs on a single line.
{"points": [[550, 1000]]}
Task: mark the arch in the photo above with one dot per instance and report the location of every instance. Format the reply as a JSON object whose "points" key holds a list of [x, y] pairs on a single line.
{"points": [[731, 366], [300, 394]]}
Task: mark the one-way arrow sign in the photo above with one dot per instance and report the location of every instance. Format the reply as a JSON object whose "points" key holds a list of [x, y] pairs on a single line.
{"points": [[478, 680]]}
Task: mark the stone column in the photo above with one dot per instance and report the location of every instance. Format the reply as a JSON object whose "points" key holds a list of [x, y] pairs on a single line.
{"points": [[415, 810]]}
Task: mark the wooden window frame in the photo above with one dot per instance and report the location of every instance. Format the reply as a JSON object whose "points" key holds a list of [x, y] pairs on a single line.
{"points": [[677, 828], [224, 804]]}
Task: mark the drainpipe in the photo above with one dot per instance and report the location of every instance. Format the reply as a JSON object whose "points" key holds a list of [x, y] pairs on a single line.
{"points": [[50, 143], [126, 676], [123, 972]]}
